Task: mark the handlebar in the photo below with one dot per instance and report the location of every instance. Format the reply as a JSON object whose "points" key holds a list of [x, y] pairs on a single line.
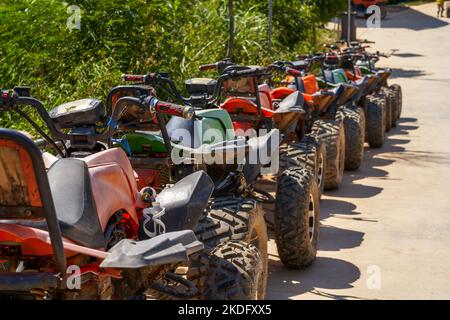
{"points": [[140, 78], [210, 66], [154, 79], [220, 66], [172, 109]]}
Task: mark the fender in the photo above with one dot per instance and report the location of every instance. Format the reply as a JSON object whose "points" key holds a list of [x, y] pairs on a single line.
{"points": [[113, 184]]}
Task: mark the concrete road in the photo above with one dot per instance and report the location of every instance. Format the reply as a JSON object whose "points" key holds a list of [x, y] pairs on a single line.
{"points": [[386, 233]]}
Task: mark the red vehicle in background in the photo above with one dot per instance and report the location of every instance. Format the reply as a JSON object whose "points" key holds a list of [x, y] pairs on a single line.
{"points": [[362, 5]]}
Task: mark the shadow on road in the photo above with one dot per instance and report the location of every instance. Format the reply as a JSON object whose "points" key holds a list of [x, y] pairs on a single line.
{"points": [[336, 239], [407, 18], [329, 273], [407, 73], [325, 273], [407, 55]]}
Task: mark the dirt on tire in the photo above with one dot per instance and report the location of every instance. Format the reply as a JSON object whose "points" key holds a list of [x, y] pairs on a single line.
{"points": [[297, 198], [233, 271], [332, 132], [397, 89], [310, 153], [232, 218], [355, 129], [387, 109], [375, 121]]}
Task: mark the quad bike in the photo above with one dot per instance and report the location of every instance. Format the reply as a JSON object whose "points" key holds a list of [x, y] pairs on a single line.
{"points": [[160, 156], [338, 69], [330, 109], [243, 92], [365, 64], [360, 6], [304, 149], [357, 64], [78, 228], [296, 201]]}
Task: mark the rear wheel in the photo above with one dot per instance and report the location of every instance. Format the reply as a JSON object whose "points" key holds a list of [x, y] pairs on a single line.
{"points": [[398, 97], [234, 271], [333, 134], [297, 218], [232, 218], [388, 110], [375, 122], [391, 95], [355, 129]]}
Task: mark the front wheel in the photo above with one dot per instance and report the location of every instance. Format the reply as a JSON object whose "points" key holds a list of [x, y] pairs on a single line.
{"points": [[333, 134], [355, 128], [297, 218], [397, 89], [375, 122]]}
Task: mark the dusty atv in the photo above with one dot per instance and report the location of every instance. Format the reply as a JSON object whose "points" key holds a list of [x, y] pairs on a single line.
{"points": [[244, 93], [81, 230], [335, 71], [204, 95], [331, 109], [163, 152], [364, 63]]}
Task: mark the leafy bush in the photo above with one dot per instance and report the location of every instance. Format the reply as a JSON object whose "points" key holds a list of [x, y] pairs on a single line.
{"points": [[118, 36]]}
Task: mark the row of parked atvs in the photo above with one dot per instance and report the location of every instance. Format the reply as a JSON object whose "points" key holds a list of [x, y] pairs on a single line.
{"points": [[143, 198]]}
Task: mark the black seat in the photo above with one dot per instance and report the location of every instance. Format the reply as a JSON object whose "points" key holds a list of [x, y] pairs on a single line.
{"points": [[71, 188], [292, 103], [75, 207]]}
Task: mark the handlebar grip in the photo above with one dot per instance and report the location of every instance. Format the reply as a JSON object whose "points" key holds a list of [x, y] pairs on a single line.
{"points": [[293, 72], [210, 66], [134, 77], [7, 99], [171, 109]]}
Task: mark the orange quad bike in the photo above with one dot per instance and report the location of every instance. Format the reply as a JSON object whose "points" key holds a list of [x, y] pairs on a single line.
{"points": [[78, 228], [323, 121], [344, 111], [379, 101], [358, 63]]}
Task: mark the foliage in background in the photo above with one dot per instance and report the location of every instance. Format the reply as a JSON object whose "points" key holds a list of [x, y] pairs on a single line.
{"points": [[119, 36]]}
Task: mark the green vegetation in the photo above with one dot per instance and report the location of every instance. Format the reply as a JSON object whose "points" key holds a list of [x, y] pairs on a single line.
{"points": [[118, 36]]}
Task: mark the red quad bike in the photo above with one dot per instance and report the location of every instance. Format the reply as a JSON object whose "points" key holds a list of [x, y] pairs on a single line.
{"points": [[86, 215]]}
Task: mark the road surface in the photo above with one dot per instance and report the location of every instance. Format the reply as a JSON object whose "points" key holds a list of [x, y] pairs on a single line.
{"points": [[386, 233]]}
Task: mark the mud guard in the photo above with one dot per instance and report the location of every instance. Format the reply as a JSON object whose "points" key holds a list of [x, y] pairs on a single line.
{"points": [[270, 143], [185, 201], [168, 248]]}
